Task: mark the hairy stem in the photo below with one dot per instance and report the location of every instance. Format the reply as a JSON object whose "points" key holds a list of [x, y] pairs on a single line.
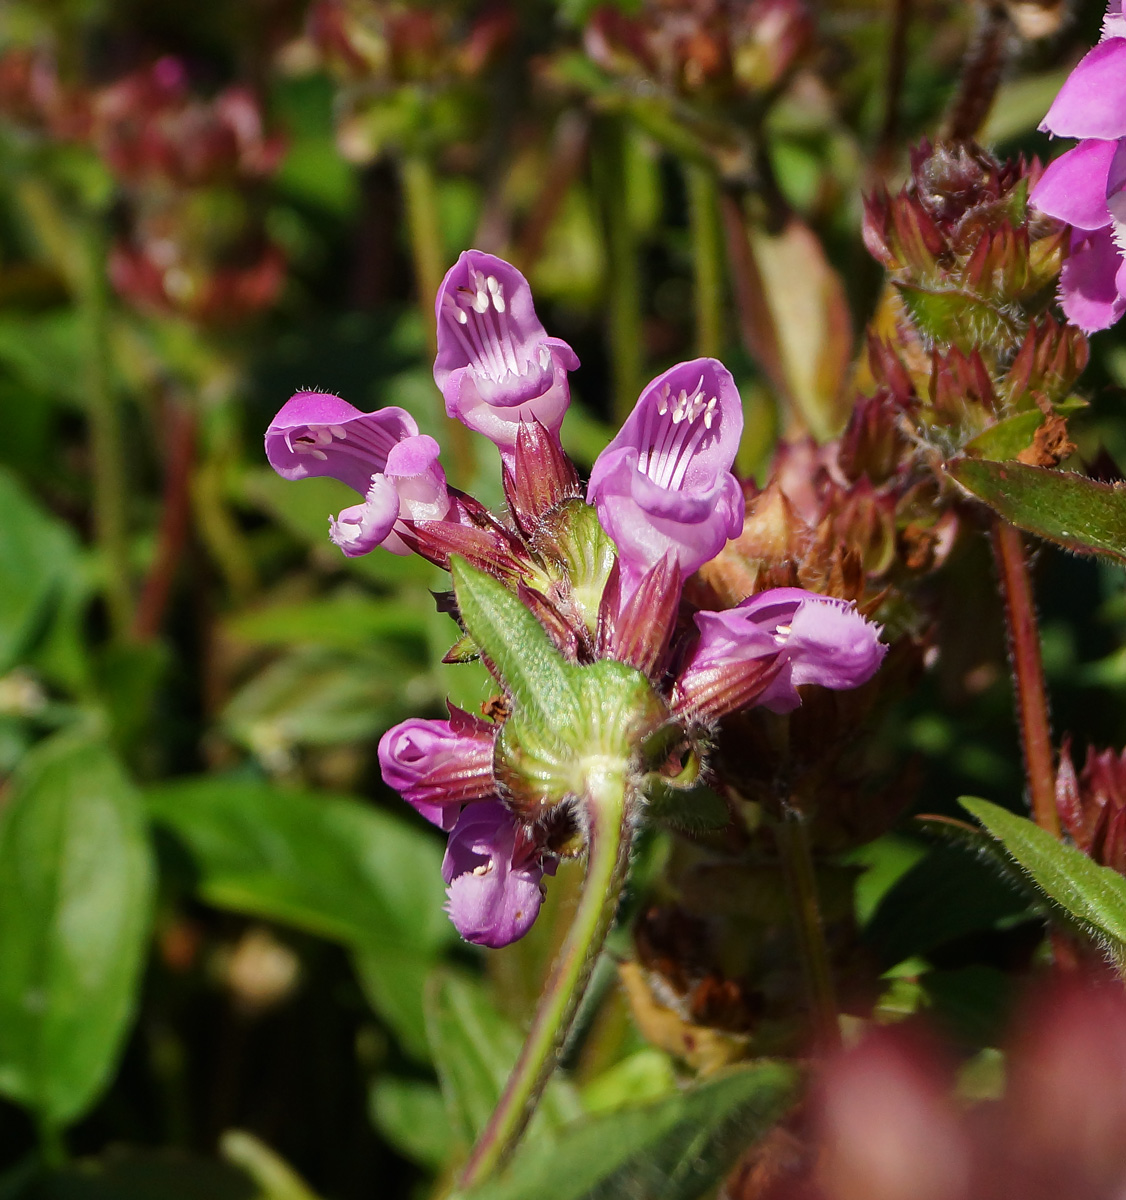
{"points": [[707, 258], [1028, 674], [607, 865], [104, 415], [985, 64], [805, 906], [623, 280]]}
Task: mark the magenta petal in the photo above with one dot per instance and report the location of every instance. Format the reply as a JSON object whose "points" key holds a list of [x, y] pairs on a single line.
{"points": [[832, 645], [318, 434], [496, 365], [664, 484], [361, 527], [1092, 101], [494, 891], [1073, 188], [437, 766], [1089, 289], [1116, 187]]}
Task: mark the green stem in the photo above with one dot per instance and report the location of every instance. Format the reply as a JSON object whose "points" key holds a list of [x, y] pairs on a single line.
{"points": [[607, 864], [424, 228], [623, 279], [106, 449], [707, 258], [797, 854], [52, 1145]]}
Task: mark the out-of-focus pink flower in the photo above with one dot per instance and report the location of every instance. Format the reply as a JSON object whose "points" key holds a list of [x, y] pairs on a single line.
{"points": [[884, 1124], [1086, 187], [664, 484]]}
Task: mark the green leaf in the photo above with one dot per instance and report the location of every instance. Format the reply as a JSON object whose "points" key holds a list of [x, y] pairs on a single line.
{"points": [[411, 1115], [327, 864], [1094, 895], [510, 635], [37, 553], [1071, 510], [474, 1048], [76, 881], [394, 982], [675, 1148]]}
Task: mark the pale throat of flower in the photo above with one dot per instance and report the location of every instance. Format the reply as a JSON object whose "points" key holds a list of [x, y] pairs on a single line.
{"points": [[478, 319], [363, 441], [674, 429]]}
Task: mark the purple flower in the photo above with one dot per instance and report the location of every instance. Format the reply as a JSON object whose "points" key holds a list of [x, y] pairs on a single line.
{"points": [[493, 874], [764, 649], [1086, 187], [496, 365], [665, 483], [438, 766], [379, 454]]}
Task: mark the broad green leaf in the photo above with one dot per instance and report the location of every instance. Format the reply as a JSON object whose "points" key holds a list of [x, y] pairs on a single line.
{"points": [[1094, 895], [510, 635], [1071, 510], [37, 553], [411, 1115], [76, 882], [675, 1148], [347, 621], [323, 696], [394, 982], [947, 894], [473, 1049], [328, 864]]}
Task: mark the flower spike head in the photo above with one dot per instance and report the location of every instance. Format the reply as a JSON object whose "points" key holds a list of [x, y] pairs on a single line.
{"points": [[496, 365], [492, 875], [437, 766], [380, 454], [763, 650], [665, 483]]}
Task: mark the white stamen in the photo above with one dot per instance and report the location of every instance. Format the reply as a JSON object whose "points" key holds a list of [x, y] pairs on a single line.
{"points": [[338, 431], [483, 868]]}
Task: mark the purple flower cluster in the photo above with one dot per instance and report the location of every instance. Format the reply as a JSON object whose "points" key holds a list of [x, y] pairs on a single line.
{"points": [[663, 491], [1086, 187]]}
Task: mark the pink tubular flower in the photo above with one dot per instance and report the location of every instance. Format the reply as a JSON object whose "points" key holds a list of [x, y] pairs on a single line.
{"points": [[763, 650], [438, 766], [493, 874], [1086, 187], [496, 365], [379, 454], [665, 483]]}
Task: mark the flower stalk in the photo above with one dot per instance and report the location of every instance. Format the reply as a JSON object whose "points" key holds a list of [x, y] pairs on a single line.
{"points": [[107, 454], [707, 258], [610, 810], [1028, 674]]}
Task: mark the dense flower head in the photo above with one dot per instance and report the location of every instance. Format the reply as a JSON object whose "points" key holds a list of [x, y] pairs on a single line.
{"points": [[1086, 186], [664, 484], [603, 579], [496, 365], [1092, 804]]}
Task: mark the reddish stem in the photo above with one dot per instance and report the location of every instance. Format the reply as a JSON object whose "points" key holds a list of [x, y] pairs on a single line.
{"points": [[174, 516], [1028, 674]]}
